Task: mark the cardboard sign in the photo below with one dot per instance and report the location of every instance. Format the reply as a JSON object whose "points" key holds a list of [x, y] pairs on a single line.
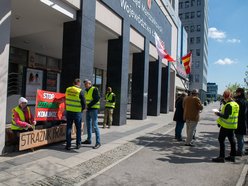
{"points": [[50, 106], [42, 137]]}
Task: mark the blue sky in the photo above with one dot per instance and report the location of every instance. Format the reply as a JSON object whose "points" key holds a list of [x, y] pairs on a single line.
{"points": [[227, 42]]}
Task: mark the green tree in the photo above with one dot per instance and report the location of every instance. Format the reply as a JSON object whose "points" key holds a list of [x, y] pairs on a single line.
{"points": [[246, 78], [233, 87]]}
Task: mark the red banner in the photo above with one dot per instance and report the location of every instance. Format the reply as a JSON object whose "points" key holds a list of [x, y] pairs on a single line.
{"points": [[50, 106]]}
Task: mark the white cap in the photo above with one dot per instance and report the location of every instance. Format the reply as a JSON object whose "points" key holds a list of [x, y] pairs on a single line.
{"points": [[22, 100]]}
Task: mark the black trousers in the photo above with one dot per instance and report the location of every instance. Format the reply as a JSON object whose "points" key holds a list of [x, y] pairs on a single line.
{"points": [[229, 133]]}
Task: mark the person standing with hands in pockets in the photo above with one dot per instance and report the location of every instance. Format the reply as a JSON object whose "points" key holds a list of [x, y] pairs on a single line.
{"points": [[109, 108], [92, 97]]}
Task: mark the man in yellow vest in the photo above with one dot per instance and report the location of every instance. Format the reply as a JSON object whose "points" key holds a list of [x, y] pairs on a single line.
{"points": [[109, 108], [75, 104], [228, 122], [22, 118], [92, 97]]}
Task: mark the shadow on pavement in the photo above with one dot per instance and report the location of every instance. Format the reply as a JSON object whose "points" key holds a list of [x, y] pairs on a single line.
{"points": [[206, 147]]}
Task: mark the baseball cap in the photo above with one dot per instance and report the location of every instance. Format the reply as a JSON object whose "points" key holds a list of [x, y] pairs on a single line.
{"points": [[22, 100], [87, 81]]}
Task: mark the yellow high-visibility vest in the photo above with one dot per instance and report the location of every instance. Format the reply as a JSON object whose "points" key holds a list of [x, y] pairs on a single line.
{"points": [[108, 98], [17, 109], [232, 121], [72, 100], [89, 97]]}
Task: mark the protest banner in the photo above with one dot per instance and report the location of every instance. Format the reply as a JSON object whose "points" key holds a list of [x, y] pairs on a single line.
{"points": [[50, 106]]}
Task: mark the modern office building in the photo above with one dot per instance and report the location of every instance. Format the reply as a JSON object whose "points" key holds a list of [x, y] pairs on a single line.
{"points": [[194, 17], [212, 91], [45, 44]]}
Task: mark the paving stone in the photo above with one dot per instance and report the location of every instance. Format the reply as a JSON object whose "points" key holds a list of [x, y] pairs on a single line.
{"points": [[5, 165], [24, 179], [5, 176]]}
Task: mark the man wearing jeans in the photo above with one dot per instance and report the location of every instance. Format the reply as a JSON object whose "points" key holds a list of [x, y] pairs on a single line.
{"points": [[75, 104], [92, 97], [192, 107]]}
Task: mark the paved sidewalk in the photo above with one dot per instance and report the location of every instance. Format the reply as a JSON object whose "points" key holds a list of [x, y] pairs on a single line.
{"points": [[168, 162], [44, 165]]}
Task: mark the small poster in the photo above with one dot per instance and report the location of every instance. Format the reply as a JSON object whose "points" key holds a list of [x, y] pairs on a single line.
{"points": [[33, 83]]}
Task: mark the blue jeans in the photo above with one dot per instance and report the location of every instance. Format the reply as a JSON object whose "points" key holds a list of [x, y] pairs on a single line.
{"points": [[92, 120], [240, 142], [75, 117], [178, 129]]}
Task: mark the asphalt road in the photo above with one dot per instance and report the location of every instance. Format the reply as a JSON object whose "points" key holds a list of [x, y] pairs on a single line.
{"points": [[165, 161]]}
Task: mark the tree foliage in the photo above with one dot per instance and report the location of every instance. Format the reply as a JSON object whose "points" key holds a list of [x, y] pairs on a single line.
{"points": [[233, 87]]}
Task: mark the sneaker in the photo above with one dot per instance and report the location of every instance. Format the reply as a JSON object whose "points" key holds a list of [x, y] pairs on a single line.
{"points": [[179, 139], [218, 160], [78, 146], [68, 147], [230, 158], [97, 146], [86, 142]]}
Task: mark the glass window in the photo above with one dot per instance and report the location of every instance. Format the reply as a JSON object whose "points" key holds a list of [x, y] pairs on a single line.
{"points": [[198, 13], [187, 15], [192, 2], [181, 16], [98, 79], [53, 64], [192, 40], [18, 56], [198, 53], [197, 78], [192, 15], [40, 61], [198, 28], [197, 64], [198, 2], [51, 81], [198, 40], [192, 28], [180, 5], [186, 4]]}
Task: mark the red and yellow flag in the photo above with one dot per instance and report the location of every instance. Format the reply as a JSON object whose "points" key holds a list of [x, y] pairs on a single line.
{"points": [[187, 62]]}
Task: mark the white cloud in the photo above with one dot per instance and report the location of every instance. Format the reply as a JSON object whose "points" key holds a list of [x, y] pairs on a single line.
{"points": [[233, 40], [225, 61], [216, 34]]}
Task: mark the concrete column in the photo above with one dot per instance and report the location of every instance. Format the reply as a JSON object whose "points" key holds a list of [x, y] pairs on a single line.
{"points": [[165, 82], [78, 46], [117, 73], [5, 13], [154, 90], [140, 84]]}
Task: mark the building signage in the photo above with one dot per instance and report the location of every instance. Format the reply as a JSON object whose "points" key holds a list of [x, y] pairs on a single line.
{"points": [[137, 9], [50, 106]]}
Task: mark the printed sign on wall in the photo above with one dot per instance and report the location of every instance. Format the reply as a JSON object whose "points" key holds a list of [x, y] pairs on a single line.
{"points": [[33, 82]]}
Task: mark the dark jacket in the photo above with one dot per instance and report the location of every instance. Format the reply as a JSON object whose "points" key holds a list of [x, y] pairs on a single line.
{"points": [[178, 116], [242, 119]]}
